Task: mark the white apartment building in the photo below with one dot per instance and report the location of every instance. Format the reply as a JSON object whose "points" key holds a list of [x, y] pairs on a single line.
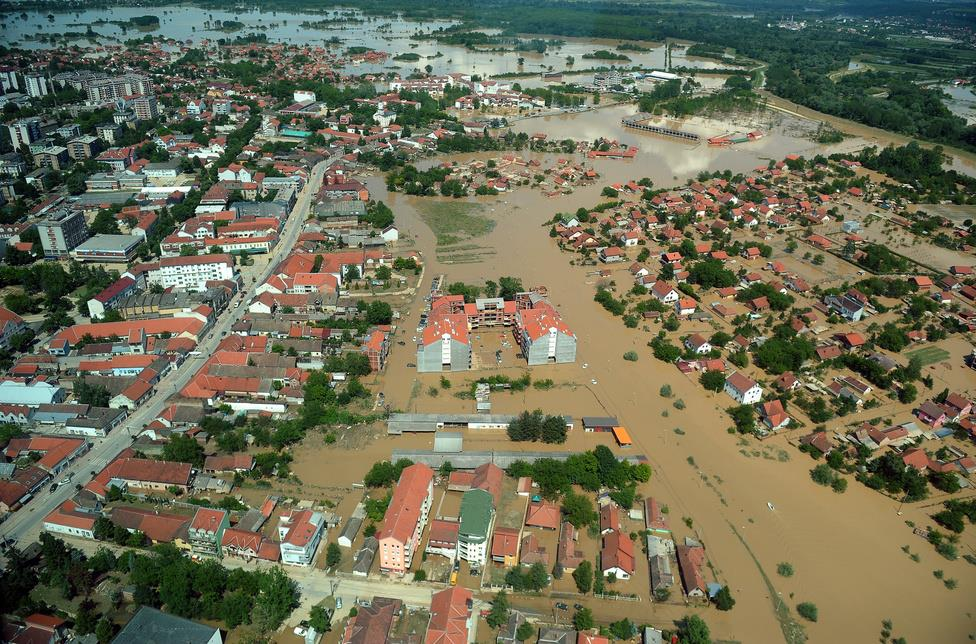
{"points": [[300, 533], [187, 273]]}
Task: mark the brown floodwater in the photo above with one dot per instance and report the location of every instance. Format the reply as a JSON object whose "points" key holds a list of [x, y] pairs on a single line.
{"points": [[846, 549]]}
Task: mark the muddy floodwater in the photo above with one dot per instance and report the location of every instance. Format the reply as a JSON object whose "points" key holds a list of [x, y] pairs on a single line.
{"points": [[341, 29], [847, 550]]}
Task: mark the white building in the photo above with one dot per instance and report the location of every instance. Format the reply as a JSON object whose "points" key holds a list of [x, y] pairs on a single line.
{"points": [[37, 85], [743, 389], [187, 273], [300, 533], [67, 519], [390, 234]]}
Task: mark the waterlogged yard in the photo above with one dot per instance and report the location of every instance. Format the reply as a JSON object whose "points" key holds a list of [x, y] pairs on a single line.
{"points": [[456, 225]]}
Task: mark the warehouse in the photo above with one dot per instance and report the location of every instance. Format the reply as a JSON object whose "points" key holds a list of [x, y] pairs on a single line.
{"points": [[424, 423]]}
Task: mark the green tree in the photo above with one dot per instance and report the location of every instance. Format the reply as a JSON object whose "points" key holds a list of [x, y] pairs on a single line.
{"points": [[623, 629], [693, 630], [498, 615], [379, 313], [94, 395], [724, 599], [579, 510], [333, 555], [583, 576], [525, 632], [320, 619], [104, 631], [583, 619], [183, 449], [278, 598], [712, 380]]}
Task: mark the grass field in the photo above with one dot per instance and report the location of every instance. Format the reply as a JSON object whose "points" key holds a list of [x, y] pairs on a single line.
{"points": [[454, 222], [929, 355]]}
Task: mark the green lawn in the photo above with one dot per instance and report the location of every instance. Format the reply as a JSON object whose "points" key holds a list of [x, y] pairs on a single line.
{"points": [[929, 355], [454, 222]]}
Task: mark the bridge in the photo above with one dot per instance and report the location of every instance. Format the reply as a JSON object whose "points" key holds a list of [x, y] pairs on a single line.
{"points": [[637, 122]]}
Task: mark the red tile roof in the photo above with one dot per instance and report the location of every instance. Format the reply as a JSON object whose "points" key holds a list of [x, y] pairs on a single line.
{"points": [[449, 613], [403, 512], [543, 514]]}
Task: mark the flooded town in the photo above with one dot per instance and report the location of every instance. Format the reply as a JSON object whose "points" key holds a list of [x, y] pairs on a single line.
{"points": [[365, 324]]}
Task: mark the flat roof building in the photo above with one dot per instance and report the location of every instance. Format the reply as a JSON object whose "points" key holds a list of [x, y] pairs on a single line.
{"points": [[151, 625], [61, 233], [119, 249]]}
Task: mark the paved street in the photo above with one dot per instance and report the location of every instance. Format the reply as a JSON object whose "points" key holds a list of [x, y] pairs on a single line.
{"points": [[24, 525]]}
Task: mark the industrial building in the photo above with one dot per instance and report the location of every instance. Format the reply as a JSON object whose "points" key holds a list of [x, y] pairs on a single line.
{"points": [[424, 423], [119, 249]]}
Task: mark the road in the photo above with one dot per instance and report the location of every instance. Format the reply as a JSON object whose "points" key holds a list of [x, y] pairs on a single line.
{"points": [[25, 525]]}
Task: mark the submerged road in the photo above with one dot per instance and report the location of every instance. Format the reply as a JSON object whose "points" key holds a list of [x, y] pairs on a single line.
{"points": [[24, 525]]}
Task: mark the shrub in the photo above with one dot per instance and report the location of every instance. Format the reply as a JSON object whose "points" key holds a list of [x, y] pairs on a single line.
{"points": [[665, 391], [631, 356], [807, 611], [785, 569]]}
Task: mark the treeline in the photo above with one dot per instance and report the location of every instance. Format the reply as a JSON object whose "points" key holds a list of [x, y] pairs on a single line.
{"points": [[536, 426], [920, 167], [905, 107], [161, 578], [590, 470]]}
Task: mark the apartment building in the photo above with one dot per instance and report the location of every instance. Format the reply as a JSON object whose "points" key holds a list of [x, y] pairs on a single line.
{"points": [[55, 157], [24, 131], [84, 147], [145, 108], [206, 531], [405, 518], [36, 85], [300, 533], [110, 89], [8, 79], [543, 336], [108, 132], [61, 233], [187, 273], [477, 518], [445, 344]]}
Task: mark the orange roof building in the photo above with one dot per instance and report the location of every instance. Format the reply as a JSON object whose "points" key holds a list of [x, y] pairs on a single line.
{"points": [[450, 615], [405, 518], [543, 335]]}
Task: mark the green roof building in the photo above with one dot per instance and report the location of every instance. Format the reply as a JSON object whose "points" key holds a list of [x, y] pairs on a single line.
{"points": [[477, 518]]}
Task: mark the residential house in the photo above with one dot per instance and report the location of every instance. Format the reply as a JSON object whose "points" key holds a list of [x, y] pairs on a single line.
{"points": [[505, 546], [691, 558], [207, 530], [698, 344], [568, 553], [372, 622], [743, 389], [450, 616], [617, 555]]}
